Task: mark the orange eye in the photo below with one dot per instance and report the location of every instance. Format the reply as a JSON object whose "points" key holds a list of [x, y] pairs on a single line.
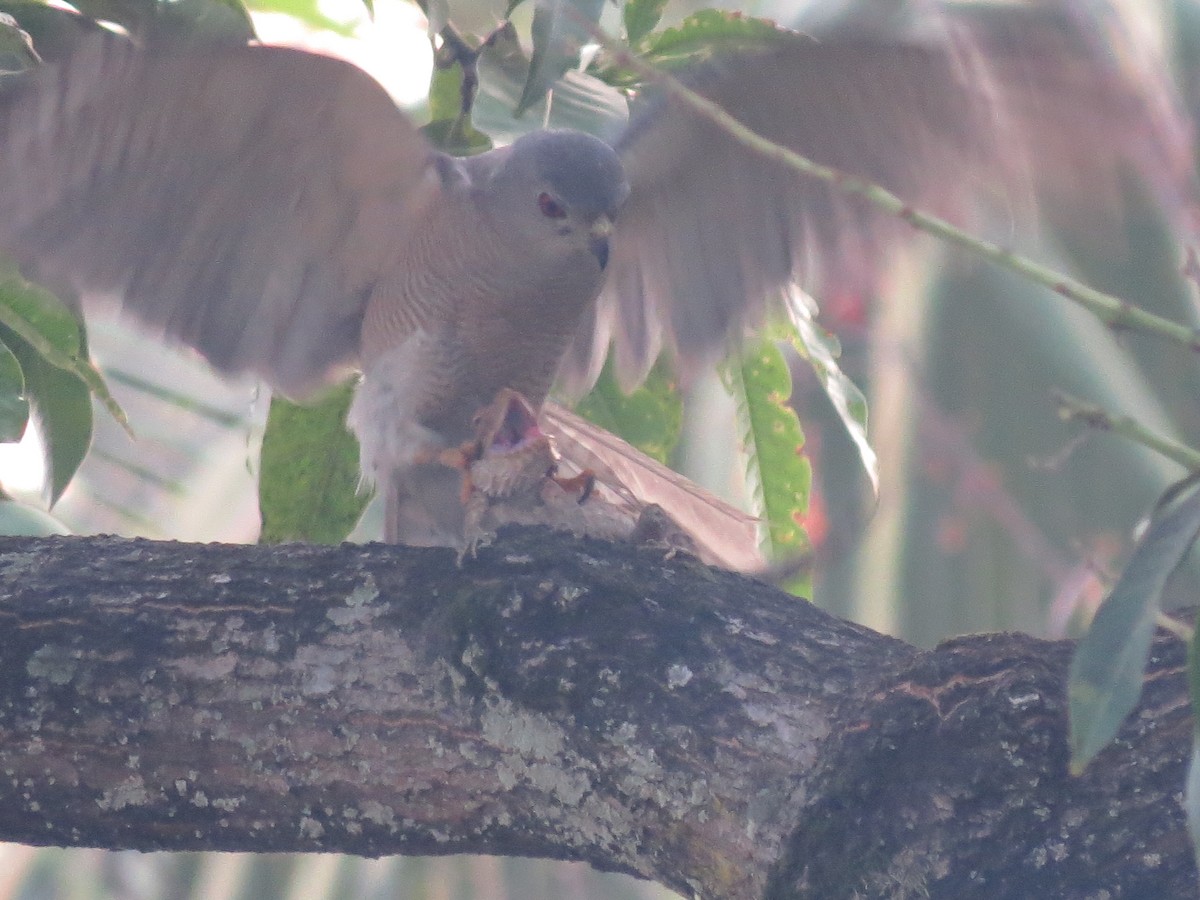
{"points": [[550, 207]]}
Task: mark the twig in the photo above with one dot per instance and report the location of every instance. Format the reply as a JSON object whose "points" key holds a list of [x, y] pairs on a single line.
{"points": [[456, 49], [1181, 630], [1072, 409]]}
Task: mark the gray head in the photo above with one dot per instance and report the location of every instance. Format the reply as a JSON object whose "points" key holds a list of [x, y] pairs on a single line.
{"points": [[582, 171], [556, 193]]}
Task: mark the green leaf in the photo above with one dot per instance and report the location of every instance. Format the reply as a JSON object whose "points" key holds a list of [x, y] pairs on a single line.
{"points": [[22, 520], [458, 137], [132, 15], [701, 37], [449, 130], [640, 17], [54, 31], [779, 474], [712, 32], [46, 325], [1106, 671], [16, 47], [445, 91], [211, 21], [582, 102], [14, 406], [560, 28], [308, 479], [47, 342], [62, 408], [39, 317], [650, 417], [821, 349], [306, 11]]}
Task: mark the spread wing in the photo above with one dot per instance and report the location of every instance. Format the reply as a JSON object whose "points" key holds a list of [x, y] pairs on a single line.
{"points": [[724, 535], [243, 201], [712, 230]]}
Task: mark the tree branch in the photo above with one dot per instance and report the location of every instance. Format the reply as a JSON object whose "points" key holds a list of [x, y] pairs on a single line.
{"points": [[564, 699]]}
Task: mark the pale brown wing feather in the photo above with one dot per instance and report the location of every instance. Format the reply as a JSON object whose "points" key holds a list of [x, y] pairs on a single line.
{"points": [[993, 109], [1093, 106], [240, 200]]}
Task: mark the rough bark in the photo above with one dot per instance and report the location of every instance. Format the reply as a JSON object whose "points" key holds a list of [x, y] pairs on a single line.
{"points": [[562, 699]]}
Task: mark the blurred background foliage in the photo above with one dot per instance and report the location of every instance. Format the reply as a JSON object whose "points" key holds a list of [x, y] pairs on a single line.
{"points": [[992, 511]]}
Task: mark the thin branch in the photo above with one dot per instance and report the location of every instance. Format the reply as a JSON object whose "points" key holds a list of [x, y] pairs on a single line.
{"points": [[1072, 409], [1181, 630]]}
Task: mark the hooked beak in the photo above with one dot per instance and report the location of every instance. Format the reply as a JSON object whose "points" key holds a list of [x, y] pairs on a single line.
{"points": [[599, 232]]}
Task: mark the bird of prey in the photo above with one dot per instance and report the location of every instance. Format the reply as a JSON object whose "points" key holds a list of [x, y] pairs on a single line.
{"points": [[274, 210], [515, 477]]}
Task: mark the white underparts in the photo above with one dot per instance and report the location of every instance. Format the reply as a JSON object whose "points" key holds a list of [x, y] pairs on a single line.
{"points": [[384, 414]]}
